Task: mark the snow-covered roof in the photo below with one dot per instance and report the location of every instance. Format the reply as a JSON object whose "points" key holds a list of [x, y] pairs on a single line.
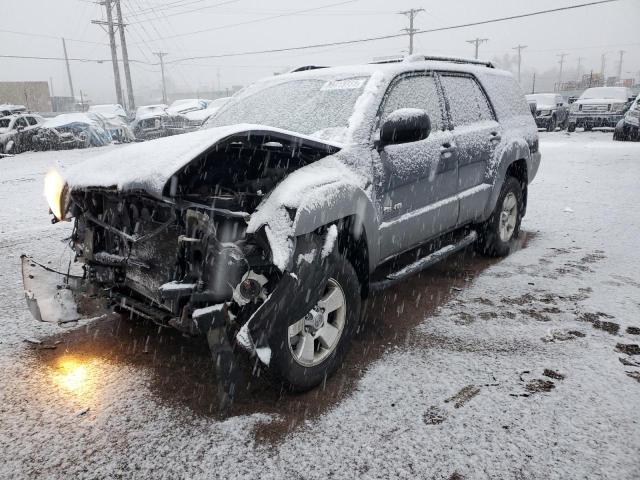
{"points": [[148, 166], [68, 118]]}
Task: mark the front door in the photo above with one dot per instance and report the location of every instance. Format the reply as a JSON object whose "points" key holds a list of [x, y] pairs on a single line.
{"points": [[418, 183]]}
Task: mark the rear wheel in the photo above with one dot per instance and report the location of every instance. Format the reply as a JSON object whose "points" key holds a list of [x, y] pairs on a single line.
{"points": [[503, 226], [309, 349], [571, 127]]}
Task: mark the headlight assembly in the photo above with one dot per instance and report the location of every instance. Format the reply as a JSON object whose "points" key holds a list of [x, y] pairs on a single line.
{"points": [[57, 194]]}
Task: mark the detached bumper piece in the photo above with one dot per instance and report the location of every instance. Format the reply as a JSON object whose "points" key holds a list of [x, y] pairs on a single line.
{"points": [[51, 296]]}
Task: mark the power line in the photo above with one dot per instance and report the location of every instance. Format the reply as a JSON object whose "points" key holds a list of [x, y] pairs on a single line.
{"points": [[396, 35], [41, 35], [258, 20], [155, 11]]}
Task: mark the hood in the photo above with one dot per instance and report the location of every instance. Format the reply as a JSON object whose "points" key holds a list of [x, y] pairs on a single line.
{"points": [[599, 101], [148, 166]]}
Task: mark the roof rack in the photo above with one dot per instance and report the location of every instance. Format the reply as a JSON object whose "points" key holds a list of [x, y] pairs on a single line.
{"points": [[304, 68], [436, 58]]}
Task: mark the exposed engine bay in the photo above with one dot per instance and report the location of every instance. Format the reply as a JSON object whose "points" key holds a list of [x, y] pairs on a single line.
{"points": [[183, 259]]}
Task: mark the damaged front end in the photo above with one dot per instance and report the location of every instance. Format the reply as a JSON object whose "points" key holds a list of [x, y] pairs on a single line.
{"points": [[184, 258]]}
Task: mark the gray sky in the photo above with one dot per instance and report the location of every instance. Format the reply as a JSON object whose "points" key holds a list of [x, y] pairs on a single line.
{"points": [[586, 33]]}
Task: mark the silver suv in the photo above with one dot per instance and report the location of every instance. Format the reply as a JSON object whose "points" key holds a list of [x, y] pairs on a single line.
{"points": [[268, 229]]}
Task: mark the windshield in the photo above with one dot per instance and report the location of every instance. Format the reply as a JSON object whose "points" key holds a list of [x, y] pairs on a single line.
{"points": [[613, 93], [317, 107], [4, 122], [542, 98]]}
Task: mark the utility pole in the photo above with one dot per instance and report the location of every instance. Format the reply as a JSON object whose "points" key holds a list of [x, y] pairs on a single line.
{"points": [[125, 59], [412, 13], [562, 56], [603, 63], [579, 68], [161, 56], [66, 59], [621, 53], [112, 44], [519, 48], [533, 87], [477, 43]]}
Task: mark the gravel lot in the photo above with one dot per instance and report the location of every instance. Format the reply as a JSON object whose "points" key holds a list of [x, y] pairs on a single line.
{"points": [[513, 368]]}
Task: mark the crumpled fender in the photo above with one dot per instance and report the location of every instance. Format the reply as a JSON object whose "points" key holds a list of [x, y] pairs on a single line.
{"points": [[296, 293]]}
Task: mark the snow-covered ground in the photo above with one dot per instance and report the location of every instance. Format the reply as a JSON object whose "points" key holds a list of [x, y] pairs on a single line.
{"points": [[517, 368]]}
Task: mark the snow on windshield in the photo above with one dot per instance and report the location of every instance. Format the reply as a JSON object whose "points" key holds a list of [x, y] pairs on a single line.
{"points": [[314, 107], [614, 93]]}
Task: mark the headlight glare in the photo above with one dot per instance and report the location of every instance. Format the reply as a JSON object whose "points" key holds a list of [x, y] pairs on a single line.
{"points": [[57, 193]]}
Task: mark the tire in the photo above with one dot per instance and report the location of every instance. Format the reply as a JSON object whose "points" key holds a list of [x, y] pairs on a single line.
{"points": [[491, 242], [551, 126], [588, 128], [571, 127], [287, 366]]}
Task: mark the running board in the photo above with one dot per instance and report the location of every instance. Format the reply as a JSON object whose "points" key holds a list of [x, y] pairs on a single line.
{"points": [[423, 263]]}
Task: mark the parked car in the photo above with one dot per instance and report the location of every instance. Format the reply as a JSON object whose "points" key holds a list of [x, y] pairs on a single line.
{"points": [[599, 107], [109, 110], [200, 117], [16, 132], [629, 127], [9, 109], [72, 130], [551, 110], [268, 229]]}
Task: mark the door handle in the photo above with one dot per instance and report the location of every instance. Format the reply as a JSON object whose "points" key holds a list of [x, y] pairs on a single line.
{"points": [[447, 149], [495, 137]]}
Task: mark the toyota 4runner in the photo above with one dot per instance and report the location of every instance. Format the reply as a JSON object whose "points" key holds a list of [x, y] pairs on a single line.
{"points": [[267, 230]]}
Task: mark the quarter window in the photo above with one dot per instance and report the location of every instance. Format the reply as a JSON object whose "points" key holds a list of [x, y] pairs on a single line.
{"points": [[467, 102], [416, 91], [32, 121]]}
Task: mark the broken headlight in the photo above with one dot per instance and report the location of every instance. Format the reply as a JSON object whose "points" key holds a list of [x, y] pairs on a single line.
{"points": [[56, 192]]}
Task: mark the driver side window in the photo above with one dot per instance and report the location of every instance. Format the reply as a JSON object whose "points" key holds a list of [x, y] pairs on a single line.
{"points": [[415, 91], [20, 122]]}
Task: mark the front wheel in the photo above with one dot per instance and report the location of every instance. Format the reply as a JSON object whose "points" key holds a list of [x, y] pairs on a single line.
{"points": [[551, 126], [571, 127], [503, 226], [309, 349]]}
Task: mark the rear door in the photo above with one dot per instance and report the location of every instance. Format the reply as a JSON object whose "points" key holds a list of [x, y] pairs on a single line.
{"points": [[476, 134], [418, 183]]}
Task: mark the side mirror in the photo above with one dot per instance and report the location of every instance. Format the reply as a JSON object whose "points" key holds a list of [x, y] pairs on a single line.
{"points": [[403, 126]]}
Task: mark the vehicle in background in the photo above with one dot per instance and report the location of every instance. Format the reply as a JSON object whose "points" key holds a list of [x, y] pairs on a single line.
{"points": [[72, 130], [200, 117], [114, 120], [9, 109], [599, 107], [187, 105], [109, 110], [268, 230], [551, 110], [532, 106], [16, 132], [629, 127]]}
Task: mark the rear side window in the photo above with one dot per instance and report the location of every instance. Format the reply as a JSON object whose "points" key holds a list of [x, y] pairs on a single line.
{"points": [[32, 121], [415, 91], [467, 102]]}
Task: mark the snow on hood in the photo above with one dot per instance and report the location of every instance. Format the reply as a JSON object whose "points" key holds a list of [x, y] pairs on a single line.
{"points": [[599, 101], [148, 166], [67, 119]]}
